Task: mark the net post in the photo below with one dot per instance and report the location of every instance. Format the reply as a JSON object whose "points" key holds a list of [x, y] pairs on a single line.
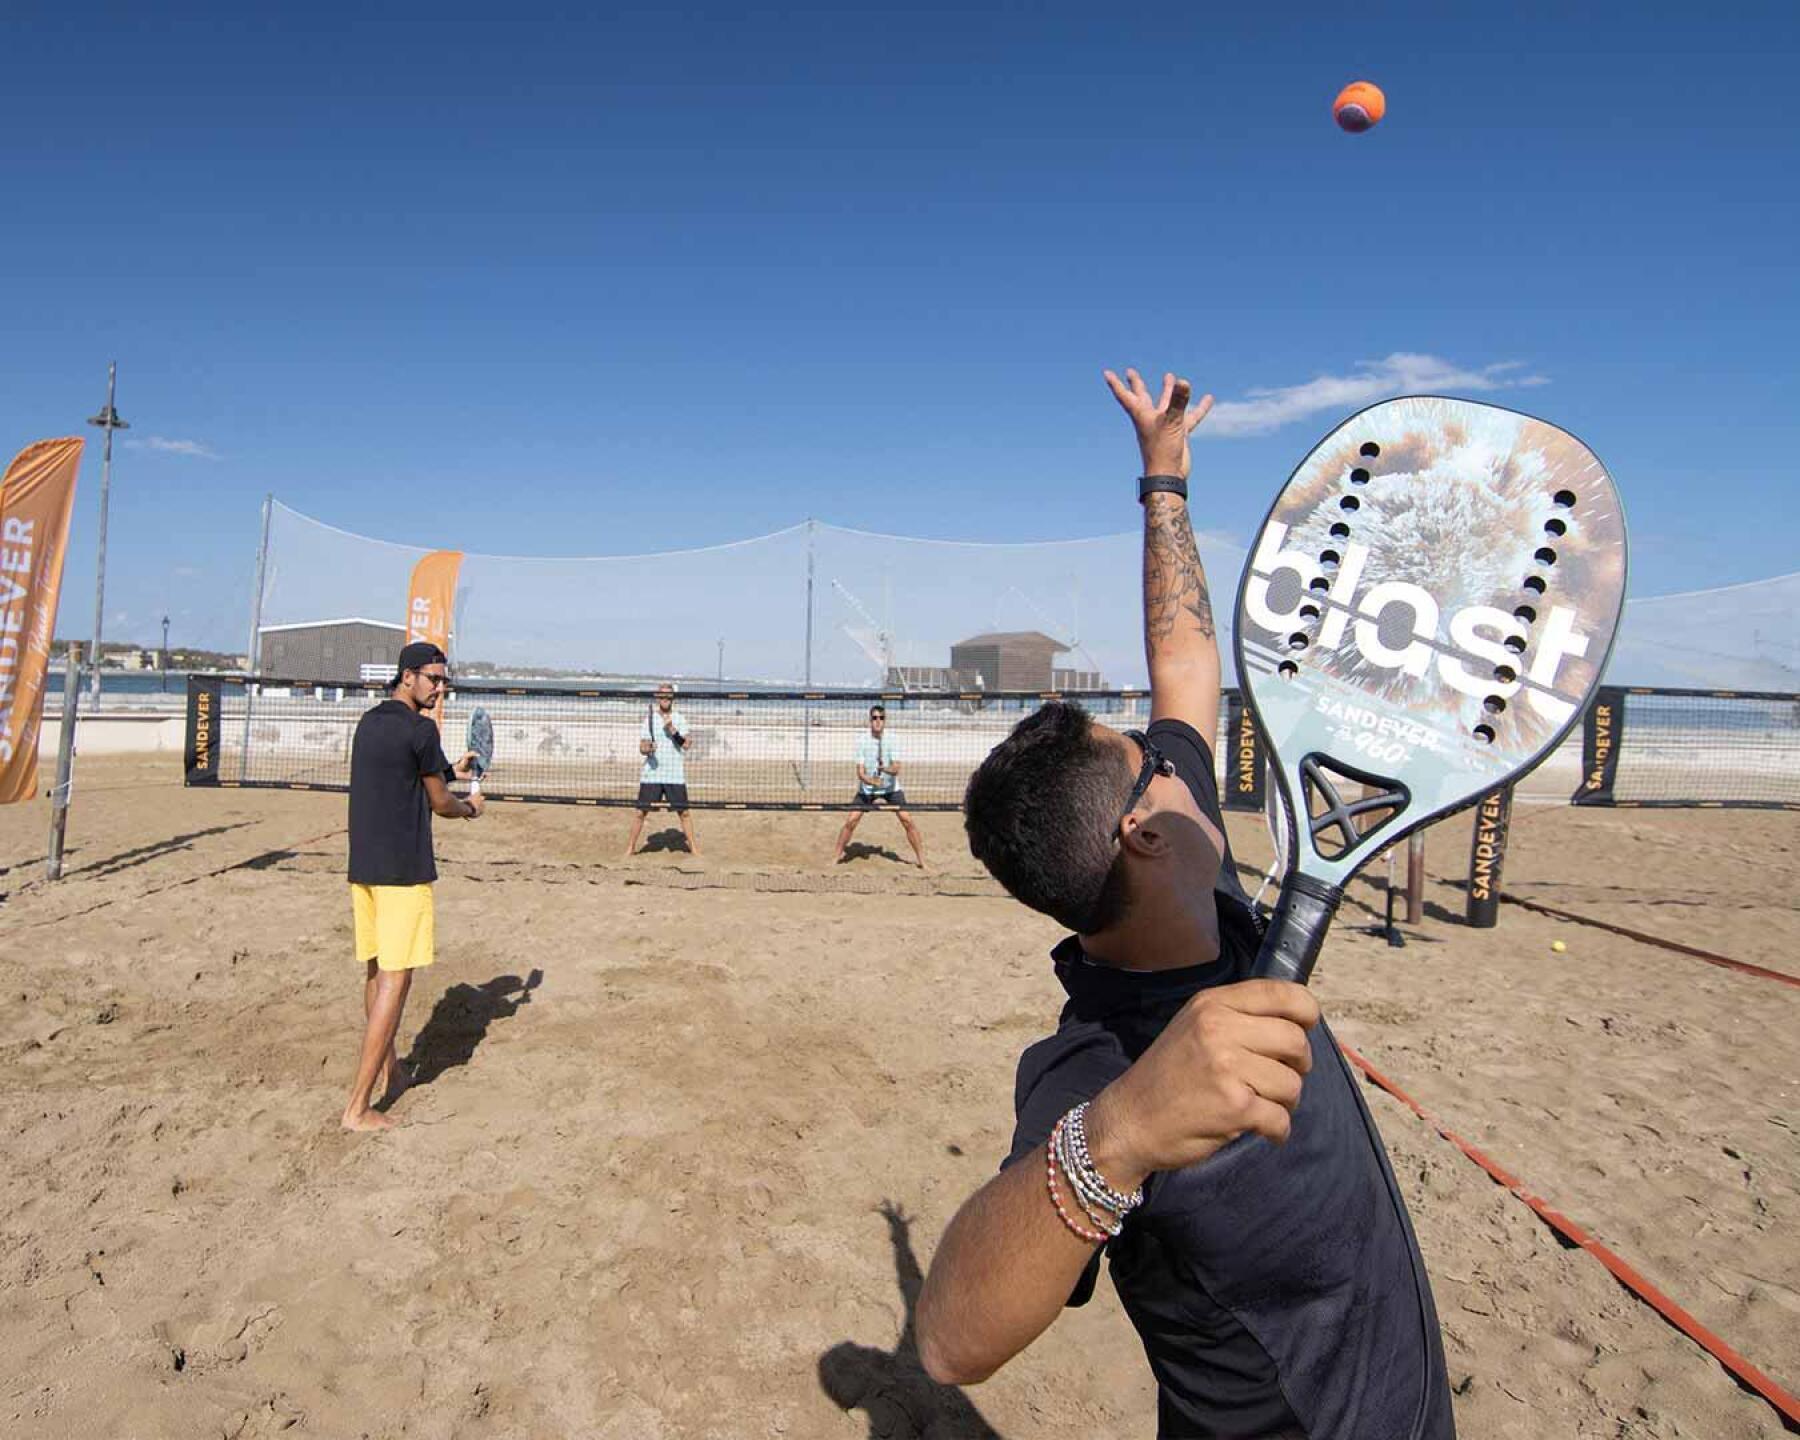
{"points": [[1487, 853], [1415, 877], [253, 651], [806, 712], [65, 761]]}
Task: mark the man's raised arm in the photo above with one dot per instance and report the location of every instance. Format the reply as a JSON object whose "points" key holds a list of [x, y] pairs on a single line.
{"points": [[1180, 644]]}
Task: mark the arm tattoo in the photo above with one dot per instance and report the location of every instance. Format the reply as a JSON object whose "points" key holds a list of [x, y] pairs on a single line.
{"points": [[1174, 583]]}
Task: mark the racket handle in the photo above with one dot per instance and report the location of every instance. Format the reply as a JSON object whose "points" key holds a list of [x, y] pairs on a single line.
{"points": [[1296, 933]]}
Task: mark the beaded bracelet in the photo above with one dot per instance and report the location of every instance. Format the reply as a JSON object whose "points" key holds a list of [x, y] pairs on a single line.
{"points": [[1102, 1215], [1086, 1174], [1093, 1237]]}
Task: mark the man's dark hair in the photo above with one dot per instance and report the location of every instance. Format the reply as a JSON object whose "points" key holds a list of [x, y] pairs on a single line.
{"points": [[1041, 814], [880, 710]]}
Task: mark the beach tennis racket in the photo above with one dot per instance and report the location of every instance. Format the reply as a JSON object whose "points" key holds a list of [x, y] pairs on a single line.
{"points": [[1424, 615], [480, 744]]}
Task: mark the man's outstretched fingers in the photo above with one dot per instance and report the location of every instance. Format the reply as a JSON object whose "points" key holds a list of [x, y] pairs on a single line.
{"points": [[1201, 411]]}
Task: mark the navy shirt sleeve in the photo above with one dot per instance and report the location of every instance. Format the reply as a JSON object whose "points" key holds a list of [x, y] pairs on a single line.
{"points": [[1055, 1075], [428, 750]]}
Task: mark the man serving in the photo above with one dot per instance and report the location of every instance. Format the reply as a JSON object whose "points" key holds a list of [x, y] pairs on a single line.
{"points": [[1256, 1235], [398, 781]]}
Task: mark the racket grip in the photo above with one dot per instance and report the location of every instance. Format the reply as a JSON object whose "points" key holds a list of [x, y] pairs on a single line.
{"points": [[1296, 933]]}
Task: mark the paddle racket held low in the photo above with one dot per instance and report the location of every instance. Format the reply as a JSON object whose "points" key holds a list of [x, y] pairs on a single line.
{"points": [[1424, 616], [481, 746]]}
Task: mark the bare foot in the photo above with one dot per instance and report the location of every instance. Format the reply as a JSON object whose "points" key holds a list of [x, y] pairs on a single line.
{"points": [[366, 1120]]}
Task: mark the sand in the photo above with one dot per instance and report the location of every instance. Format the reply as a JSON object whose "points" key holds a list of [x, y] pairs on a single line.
{"points": [[687, 1130]]}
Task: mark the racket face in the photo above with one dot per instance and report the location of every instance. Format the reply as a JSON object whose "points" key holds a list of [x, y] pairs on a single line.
{"points": [[1429, 605], [481, 741]]}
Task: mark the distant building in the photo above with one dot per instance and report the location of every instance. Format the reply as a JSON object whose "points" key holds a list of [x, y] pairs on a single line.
{"points": [[332, 650], [1017, 660]]}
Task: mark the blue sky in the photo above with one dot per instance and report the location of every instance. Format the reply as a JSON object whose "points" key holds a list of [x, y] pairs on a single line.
{"points": [[575, 283]]}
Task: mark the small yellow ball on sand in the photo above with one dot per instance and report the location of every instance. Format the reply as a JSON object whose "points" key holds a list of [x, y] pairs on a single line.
{"points": [[1558, 946]]}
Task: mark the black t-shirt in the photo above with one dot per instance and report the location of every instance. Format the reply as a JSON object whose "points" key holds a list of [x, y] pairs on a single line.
{"points": [[1278, 1290], [395, 748]]}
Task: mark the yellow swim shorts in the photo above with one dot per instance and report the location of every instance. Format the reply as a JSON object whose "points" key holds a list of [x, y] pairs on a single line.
{"points": [[395, 925]]}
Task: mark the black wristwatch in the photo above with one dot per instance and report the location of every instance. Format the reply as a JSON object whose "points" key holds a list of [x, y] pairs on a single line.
{"points": [[1149, 485]]}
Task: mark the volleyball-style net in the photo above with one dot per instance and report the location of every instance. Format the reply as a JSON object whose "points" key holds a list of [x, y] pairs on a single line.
{"points": [[758, 750], [1681, 747]]}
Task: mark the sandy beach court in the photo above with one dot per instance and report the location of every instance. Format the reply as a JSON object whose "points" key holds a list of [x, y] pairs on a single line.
{"points": [[686, 1131]]}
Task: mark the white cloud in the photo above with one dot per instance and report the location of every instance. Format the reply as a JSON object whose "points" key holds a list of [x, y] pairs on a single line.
{"points": [[1401, 373], [199, 450]]}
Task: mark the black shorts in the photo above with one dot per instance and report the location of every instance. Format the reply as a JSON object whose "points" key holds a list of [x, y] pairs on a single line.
{"points": [[674, 796], [895, 798]]}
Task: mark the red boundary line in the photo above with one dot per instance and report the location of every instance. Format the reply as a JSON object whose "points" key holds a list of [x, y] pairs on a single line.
{"points": [[1723, 961], [1740, 1369]]}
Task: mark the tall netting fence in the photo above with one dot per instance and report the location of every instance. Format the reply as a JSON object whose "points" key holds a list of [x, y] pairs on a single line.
{"points": [[813, 605], [1685, 747]]}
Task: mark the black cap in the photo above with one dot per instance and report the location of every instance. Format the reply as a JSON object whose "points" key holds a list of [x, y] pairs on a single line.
{"points": [[417, 656]]}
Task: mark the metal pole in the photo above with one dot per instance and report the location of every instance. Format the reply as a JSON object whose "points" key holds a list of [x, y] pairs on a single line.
{"points": [[65, 761], [253, 651], [721, 661], [1415, 877], [109, 421], [809, 600], [806, 714], [165, 653]]}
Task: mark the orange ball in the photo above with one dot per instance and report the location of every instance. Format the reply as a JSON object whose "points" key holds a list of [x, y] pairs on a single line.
{"points": [[1359, 106]]}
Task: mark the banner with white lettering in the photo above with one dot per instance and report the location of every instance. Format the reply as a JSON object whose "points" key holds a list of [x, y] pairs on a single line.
{"points": [[431, 598], [36, 497]]}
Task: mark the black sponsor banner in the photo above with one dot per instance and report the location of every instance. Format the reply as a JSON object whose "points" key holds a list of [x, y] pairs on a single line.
{"points": [[203, 714], [1243, 757], [1602, 728], [1487, 853]]}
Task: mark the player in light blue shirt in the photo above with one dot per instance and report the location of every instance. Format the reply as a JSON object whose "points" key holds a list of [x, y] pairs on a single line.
{"points": [[878, 784], [662, 742]]}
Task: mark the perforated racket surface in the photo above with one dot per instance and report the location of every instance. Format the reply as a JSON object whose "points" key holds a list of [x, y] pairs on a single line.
{"points": [[1424, 615], [481, 745]]}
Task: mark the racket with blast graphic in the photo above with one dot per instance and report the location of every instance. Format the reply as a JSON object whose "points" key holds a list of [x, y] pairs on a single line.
{"points": [[1424, 616], [481, 745]]}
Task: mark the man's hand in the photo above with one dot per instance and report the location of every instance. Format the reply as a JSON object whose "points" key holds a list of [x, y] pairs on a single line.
{"points": [[477, 802], [1230, 1061], [1163, 425], [464, 769]]}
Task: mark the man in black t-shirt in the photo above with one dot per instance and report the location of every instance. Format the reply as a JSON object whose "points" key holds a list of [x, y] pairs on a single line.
{"points": [[398, 781], [1256, 1236]]}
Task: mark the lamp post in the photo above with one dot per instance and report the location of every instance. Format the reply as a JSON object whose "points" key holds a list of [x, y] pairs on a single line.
{"points": [[109, 421], [165, 654]]}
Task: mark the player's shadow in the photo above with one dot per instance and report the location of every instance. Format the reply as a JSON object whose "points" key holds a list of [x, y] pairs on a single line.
{"points": [[459, 1022], [891, 1387], [858, 850], [144, 854], [670, 841]]}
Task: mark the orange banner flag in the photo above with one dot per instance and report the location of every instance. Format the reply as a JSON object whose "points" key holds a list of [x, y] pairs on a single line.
{"points": [[432, 598], [35, 500]]}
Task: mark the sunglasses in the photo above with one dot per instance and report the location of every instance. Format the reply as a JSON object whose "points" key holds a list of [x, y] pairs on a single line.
{"points": [[1155, 763], [436, 681]]}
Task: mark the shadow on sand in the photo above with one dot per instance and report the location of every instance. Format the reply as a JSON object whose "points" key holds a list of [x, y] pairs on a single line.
{"points": [[900, 1400], [459, 1022]]}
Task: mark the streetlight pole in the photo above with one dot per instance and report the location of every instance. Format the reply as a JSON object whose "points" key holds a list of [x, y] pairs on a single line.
{"points": [[165, 654], [109, 421]]}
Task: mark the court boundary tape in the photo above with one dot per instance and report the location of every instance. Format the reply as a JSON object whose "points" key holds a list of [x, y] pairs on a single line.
{"points": [[1724, 962], [1740, 1369]]}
